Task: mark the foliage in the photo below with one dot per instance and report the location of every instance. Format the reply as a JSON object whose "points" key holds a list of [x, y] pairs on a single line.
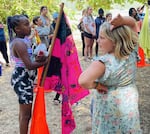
{"points": [[105, 4], [29, 7], [32, 7]]}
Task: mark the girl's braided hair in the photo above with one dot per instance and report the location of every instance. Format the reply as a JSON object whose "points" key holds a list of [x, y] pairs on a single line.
{"points": [[12, 22]]}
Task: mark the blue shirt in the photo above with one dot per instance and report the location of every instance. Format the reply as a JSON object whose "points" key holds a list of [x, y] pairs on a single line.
{"points": [[141, 16], [98, 22]]}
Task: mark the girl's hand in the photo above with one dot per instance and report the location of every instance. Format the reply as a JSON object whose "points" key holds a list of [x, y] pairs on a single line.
{"points": [[51, 36], [40, 58], [101, 88], [117, 21]]}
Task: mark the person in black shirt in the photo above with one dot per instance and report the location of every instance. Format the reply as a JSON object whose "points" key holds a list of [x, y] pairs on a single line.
{"points": [[3, 45], [98, 22]]}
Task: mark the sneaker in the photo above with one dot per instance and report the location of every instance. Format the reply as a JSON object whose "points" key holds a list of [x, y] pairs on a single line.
{"points": [[56, 102]]}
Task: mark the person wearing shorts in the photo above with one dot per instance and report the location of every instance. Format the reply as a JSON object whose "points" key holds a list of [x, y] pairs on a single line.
{"points": [[89, 33], [25, 64]]}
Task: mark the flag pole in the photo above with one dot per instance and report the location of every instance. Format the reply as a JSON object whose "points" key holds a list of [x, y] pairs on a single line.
{"points": [[52, 45]]}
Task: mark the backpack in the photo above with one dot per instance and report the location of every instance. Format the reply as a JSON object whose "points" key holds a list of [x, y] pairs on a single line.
{"points": [[80, 26]]}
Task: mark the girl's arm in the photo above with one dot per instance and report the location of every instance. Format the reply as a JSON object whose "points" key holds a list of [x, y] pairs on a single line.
{"points": [[20, 50], [124, 20], [93, 72]]}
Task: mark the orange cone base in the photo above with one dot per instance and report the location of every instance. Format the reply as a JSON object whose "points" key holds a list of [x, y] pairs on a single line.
{"points": [[142, 62], [143, 65]]}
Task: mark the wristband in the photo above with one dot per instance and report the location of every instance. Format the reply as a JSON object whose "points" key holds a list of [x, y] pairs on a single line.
{"points": [[96, 85]]}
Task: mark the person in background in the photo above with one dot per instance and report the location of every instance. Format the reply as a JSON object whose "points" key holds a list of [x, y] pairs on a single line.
{"points": [[82, 30], [140, 12], [55, 16], [24, 71], [115, 108], [46, 21], [98, 22], [56, 99], [108, 17], [133, 13], [43, 31], [53, 24], [3, 44], [89, 33], [10, 31], [43, 15]]}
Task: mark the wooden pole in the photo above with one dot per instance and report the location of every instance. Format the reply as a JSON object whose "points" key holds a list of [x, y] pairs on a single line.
{"points": [[52, 45]]}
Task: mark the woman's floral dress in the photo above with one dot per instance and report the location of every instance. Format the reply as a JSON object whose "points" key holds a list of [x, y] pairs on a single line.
{"points": [[117, 111]]}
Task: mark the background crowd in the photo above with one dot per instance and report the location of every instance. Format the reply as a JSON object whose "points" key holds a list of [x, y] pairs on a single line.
{"points": [[90, 25]]}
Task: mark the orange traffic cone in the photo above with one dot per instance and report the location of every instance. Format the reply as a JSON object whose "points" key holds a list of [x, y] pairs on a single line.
{"points": [[38, 123], [142, 62]]}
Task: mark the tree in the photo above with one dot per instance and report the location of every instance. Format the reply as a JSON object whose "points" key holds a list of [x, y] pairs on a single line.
{"points": [[106, 4], [31, 7]]}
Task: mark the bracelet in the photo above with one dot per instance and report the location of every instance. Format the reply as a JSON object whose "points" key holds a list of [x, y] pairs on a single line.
{"points": [[100, 88], [96, 84]]}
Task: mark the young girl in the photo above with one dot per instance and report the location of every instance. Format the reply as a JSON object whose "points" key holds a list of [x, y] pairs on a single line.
{"points": [[25, 68], [115, 108]]}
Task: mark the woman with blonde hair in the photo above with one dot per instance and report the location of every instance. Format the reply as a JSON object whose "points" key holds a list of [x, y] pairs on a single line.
{"points": [[89, 33], [81, 28]]}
